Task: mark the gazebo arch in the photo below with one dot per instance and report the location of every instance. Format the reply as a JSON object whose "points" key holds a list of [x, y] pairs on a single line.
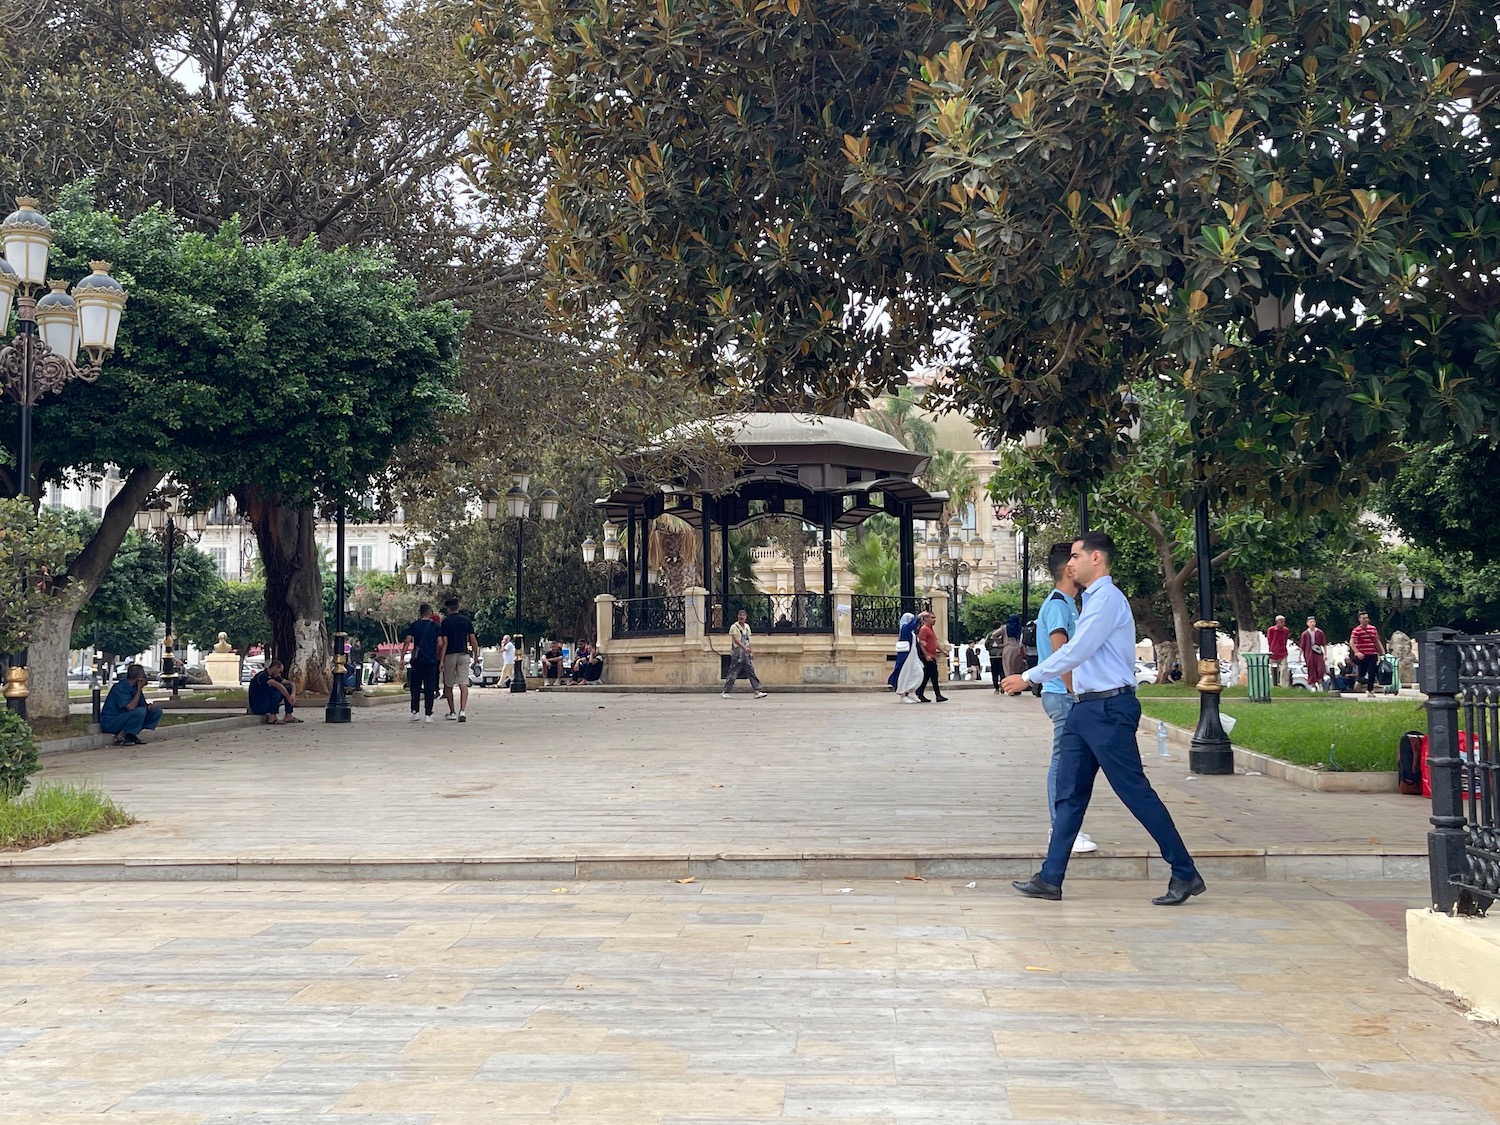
{"points": [[832, 473]]}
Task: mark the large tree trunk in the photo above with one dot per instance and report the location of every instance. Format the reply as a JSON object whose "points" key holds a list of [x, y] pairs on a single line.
{"points": [[1164, 649], [1247, 636], [1174, 584], [47, 655], [294, 589]]}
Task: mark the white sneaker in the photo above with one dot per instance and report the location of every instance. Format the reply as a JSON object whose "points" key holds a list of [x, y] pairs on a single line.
{"points": [[760, 695], [1084, 843], [726, 695], [415, 716], [463, 716], [428, 718], [451, 716]]}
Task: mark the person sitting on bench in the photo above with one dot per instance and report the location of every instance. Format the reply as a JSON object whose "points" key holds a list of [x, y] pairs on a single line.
{"points": [[125, 712], [552, 664]]}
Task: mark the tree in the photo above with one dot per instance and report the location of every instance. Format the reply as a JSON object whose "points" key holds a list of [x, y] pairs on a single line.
{"points": [[692, 174], [873, 554], [237, 609], [1436, 494], [981, 611], [34, 547], [1117, 191], [285, 373], [900, 415]]}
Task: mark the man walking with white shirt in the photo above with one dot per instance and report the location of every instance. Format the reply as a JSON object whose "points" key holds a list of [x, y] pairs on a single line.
{"points": [[1100, 729], [1055, 625]]}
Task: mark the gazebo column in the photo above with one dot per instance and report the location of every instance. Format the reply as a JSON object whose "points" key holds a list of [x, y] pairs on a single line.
{"points": [[827, 549], [706, 579], [908, 553], [630, 553], [645, 553], [724, 563]]}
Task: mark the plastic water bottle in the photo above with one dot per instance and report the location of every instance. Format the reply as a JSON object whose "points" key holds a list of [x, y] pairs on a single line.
{"points": [[1161, 741]]}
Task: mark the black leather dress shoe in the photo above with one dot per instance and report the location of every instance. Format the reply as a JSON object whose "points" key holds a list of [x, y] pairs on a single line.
{"points": [[1180, 890], [1036, 888]]}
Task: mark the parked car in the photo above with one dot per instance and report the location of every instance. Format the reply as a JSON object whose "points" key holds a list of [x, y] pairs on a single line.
{"points": [[1145, 672], [251, 668]]}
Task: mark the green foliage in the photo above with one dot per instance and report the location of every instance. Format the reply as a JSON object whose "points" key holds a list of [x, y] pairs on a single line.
{"points": [[872, 553], [57, 812], [34, 547], [1436, 493], [981, 612], [900, 414], [694, 190], [18, 754], [235, 608], [130, 601]]}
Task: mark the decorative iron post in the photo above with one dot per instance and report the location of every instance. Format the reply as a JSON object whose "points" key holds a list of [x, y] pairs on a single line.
{"points": [[1447, 860], [518, 672], [168, 660], [1210, 752]]}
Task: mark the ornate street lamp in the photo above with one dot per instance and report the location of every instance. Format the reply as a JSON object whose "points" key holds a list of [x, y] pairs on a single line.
{"points": [[518, 507], [43, 357]]}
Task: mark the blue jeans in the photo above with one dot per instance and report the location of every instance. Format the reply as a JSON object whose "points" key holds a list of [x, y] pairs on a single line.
{"points": [[1100, 735], [1058, 706], [130, 722]]}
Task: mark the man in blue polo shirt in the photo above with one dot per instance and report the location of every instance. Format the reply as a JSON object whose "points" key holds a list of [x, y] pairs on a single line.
{"points": [[1100, 730], [1056, 623]]}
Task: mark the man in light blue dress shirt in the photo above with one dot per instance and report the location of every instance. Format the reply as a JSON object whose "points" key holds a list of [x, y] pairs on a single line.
{"points": [[1056, 623], [1100, 729]]}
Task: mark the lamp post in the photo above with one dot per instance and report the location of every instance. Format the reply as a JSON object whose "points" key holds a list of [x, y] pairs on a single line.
{"points": [[159, 519], [337, 709], [43, 357], [1403, 593], [428, 573], [611, 550], [518, 508]]}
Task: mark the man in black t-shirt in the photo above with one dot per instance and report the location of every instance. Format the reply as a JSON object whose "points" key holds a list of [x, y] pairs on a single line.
{"points": [[421, 641], [457, 647]]}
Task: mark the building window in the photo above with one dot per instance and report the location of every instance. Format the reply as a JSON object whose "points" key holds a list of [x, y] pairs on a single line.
{"points": [[220, 555], [361, 559]]}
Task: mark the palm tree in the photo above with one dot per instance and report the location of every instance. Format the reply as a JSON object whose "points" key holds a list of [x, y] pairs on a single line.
{"points": [[673, 550], [900, 415], [875, 562]]}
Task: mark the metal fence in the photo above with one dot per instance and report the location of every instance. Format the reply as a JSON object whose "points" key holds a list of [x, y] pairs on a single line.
{"points": [[650, 617], [1460, 676], [881, 613], [776, 613]]}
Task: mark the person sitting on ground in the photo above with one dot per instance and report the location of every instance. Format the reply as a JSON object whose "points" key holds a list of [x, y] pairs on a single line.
{"points": [[125, 712], [552, 662], [270, 691]]}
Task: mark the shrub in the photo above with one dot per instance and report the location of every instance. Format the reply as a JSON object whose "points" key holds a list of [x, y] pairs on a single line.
{"points": [[18, 753]]}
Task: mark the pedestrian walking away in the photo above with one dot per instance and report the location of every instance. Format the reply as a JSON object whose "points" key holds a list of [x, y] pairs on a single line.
{"points": [[1055, 625], [1012, 651], [741, 662], [458, 648], [1099, 733], [421, 641], [927, 648], [908, 673], [1277, 637], [1367, 648], [994, 644]]}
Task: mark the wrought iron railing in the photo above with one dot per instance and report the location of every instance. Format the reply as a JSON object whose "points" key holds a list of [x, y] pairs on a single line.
{"points": [[650, 617], [881, 613], [776, 613], [1460, 675]]}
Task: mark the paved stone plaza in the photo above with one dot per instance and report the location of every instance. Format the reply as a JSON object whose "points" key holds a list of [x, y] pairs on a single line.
{"points": [[605, 784], [189, 982], [727, 1002]]}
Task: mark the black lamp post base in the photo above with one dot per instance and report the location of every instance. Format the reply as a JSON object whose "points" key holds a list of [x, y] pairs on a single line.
{"points": [[518, 679], [1210, 752], [339, 712]]}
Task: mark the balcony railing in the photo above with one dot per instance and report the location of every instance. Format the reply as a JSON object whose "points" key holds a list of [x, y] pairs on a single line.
{"points": [[776, 613], [881, 613], [650, 617], [1460, 675]]}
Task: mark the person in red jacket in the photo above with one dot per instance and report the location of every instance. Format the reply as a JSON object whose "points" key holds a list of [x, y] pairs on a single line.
{"points": [[1314, 644], [1368, 648], [927, 646], [1276, 640]]}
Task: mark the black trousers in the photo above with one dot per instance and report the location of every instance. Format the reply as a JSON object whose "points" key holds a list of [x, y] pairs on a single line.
{"points": [[1368, 666], [996, 671], [930, 672], [422, 679]]}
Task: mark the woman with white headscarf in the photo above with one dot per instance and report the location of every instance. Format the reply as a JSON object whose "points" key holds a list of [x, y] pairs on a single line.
{"points": [[907, 677]]}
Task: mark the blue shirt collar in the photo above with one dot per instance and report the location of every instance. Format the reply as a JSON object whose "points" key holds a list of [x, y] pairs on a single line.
{"points": [[1098, 584]]}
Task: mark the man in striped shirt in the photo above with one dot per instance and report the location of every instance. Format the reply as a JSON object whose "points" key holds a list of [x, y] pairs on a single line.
{"points": [[1368, 648]]}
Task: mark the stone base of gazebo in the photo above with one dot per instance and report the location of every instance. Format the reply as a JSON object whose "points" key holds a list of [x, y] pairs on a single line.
{"points": [[696, 657]]}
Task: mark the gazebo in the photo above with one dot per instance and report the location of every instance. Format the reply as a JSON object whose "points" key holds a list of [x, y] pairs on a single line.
{"points": [[832, 474]]}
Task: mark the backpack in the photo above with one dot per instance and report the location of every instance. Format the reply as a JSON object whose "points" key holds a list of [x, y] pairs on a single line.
{"points": [[1028, 635], [1409, 763]]}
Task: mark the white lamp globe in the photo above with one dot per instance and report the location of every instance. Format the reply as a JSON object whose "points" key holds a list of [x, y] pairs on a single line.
{"points": [[28, 240]]}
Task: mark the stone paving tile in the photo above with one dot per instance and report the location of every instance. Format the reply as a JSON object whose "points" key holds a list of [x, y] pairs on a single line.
{"points": [[1257, 1004], [628, 778]]}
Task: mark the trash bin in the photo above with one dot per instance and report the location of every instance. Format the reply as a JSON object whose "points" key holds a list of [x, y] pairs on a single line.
{"points": [[1393, 680], [1258, 676]]}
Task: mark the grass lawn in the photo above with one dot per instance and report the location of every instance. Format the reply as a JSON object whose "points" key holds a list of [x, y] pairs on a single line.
{"points": [[48, 813], [1299, 730], [1240, 691]]}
